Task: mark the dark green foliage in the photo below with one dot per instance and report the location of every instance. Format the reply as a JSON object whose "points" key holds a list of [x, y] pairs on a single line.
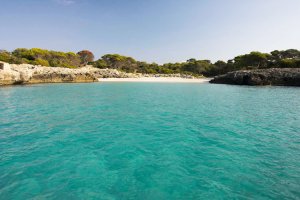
{"points": [[254, 60], [23, 53], [101, 64], [42, 57], [5, 56], [219, 67], [287, 54], [196, 66], [120, 62], [42, 62], [147, 68], [289, 63]]}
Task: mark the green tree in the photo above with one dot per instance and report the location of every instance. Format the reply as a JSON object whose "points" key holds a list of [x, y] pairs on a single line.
{"points": [[254, 60], [197, 66], [23, 53], [5, 56], [117, 61], [42, 62]]}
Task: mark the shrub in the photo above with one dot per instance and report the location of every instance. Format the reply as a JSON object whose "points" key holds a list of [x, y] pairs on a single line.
{"points": [[5, 56], [42, 62]]}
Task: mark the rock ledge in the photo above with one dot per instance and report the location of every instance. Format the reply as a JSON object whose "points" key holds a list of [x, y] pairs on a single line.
{"points": [[273, 76]]}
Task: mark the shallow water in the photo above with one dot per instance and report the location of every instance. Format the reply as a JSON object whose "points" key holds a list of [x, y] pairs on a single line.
{"points": [[149, 141]]}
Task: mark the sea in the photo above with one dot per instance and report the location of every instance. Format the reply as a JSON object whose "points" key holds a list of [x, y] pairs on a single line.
{"points": [[149, 141]]}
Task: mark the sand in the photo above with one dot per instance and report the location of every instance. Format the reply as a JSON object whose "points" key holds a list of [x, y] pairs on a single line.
{"points": [[156, 79]]}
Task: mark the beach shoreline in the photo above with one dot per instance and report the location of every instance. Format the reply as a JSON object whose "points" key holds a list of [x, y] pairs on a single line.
{"points": [[157, 80], [19, 74]]}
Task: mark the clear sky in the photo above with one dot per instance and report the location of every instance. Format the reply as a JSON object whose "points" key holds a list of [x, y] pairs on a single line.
{"points": [[152, 30]]}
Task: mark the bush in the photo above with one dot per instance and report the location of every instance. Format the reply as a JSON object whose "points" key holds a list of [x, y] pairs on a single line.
{"points": [[101, 64], [287, 63], [5, 56], [43, 57], [41, 62]]}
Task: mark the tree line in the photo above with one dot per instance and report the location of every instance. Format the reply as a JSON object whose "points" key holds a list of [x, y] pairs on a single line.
{"points": [[254, 60], [36, 56]]}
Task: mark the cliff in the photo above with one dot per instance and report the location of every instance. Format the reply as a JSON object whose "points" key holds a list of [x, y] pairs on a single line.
{"points": [[273, 76]]}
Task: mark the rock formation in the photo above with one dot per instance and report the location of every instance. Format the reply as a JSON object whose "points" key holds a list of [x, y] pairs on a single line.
{"points": [[273, 76], [25, 73]]}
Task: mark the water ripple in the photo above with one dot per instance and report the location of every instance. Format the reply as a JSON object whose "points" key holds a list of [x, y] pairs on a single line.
{"points": [[149, 141]]}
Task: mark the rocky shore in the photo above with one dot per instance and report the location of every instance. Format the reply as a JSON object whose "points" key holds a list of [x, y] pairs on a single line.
{"points": [[273, 76], [27, 74], [11, 74]]}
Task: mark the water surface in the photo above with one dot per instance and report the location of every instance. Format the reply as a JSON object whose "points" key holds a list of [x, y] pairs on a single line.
{"points": [[149, 141]]}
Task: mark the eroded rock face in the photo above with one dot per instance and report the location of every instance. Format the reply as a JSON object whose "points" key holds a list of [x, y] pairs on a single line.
{"points": [[25, 73], [273, 76]]}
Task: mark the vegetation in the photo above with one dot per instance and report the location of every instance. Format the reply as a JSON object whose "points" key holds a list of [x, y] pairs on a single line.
{"points": [[255, 60], [43, 57], [86, 56]]}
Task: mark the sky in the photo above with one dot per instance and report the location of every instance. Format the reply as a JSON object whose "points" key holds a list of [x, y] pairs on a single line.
{"points": [[152, 30]]}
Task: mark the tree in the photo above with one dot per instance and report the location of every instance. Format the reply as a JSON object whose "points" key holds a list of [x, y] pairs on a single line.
{"points": [[191, 60], [120, 62], [284, 58], [196, 66], [253, 60], [219, 67], [86, 56], [42, 62], [5, 56], [101, 64], [23, 53]]}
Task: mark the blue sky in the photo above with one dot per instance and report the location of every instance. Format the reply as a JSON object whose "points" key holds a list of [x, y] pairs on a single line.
{"points": [[152, 30]]}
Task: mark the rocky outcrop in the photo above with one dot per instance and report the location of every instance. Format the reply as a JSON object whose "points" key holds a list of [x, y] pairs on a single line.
{"points": [[25, 74], [273, 76]]}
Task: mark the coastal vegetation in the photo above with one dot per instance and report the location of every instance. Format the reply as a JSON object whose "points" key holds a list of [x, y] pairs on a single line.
{"points": [[254, 60]]}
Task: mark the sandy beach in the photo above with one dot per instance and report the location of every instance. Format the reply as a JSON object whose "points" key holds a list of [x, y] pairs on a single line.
{"points": [[155, 79]]}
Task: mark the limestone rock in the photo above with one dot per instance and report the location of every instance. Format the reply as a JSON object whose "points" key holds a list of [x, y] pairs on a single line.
{"points": [[273, 76], [4, 66]]}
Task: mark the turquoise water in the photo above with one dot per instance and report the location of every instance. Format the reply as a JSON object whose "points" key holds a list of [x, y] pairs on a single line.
{"points": [[149, 141]]}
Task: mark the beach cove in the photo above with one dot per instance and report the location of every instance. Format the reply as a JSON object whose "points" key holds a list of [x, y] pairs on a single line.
{"points": [[15, 74]]}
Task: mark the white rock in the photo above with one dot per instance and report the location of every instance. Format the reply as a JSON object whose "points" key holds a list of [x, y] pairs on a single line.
{"points": [[4, 66]]}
